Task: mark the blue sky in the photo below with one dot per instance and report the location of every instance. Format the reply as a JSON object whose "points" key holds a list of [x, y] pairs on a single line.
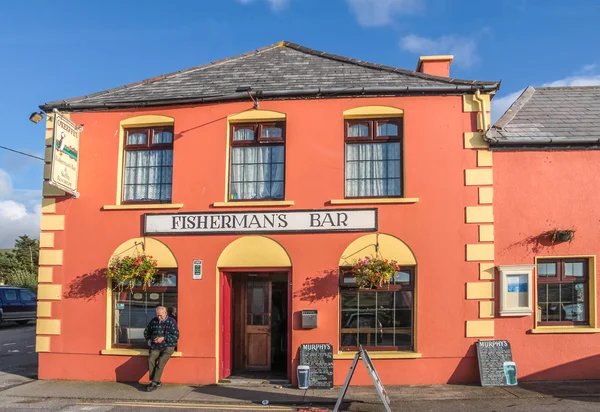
{"points": [[67, 48]]}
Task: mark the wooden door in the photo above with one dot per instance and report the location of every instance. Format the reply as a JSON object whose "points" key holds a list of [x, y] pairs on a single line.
{"points": [[225, 325], [258, 324]]}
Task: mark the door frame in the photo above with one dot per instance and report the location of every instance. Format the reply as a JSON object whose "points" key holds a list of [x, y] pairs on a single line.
{"points": [[224, 272]]}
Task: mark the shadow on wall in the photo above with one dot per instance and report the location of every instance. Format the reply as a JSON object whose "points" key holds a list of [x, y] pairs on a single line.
{"points": [[535, 244], [467, 370], [87, 286], [322, 287], [132, 370]]}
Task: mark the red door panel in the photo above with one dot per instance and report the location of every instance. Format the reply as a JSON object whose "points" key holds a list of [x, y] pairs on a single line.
{"points": [[225, 369]]}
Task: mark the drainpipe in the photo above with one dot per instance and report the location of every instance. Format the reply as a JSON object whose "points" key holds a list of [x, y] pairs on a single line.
{"points": [[483, 110]]}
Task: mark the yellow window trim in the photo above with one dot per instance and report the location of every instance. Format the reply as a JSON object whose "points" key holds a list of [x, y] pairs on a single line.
{"points": [[372, 112], [381, 355], [373, 201], [137, 121], [592, 307], [142, 206], [133, 352], [257, 203]]}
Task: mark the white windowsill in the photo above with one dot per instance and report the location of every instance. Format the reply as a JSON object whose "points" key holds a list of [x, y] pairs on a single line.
{"points": [[564, 329], [133, 352], [375, 201], [242, 203], [144, 206]]}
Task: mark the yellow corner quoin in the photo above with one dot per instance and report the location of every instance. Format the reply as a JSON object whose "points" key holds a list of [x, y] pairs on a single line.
{"points": [[52, 222], [133, 352], [256, 116], [480, 329], [480, 290], [479, 177], [389, 246], [381, 355], [479, 214], [486, 195], [484, 158], [372, 112], [49, 135], [486, 309], [48, 154], [47, 239], [486, 271], [153, 247], [144, 206], [48, 327], [475, 141], [254, 251], [481, 251], [44, 274], [42, 344], [470, 104], [49, 292], [265, 203], [44, 309], [53, 257], [381, 201], [49, 190], [47, 170], [48, 205], [486, 233]]}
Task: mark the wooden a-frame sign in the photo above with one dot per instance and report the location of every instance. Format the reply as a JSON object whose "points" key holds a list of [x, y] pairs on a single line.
{"points": [[364, 355]]}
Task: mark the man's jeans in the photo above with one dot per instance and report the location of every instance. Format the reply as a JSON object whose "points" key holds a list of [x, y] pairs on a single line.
{"points": [[157, 361]]}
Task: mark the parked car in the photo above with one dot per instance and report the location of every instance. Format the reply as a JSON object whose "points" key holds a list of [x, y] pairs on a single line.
{"points": [[17, 305]]}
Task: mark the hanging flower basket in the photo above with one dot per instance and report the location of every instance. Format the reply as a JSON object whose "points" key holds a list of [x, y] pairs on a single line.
{"points": [[130, 271], [374, 272]]}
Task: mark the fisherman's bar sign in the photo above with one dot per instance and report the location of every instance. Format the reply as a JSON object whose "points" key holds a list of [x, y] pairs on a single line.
{"points": [[65, 155], [295, 221]]}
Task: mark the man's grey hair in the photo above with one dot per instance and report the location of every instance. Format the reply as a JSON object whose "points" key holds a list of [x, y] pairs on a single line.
{"points": [[161, 309]]}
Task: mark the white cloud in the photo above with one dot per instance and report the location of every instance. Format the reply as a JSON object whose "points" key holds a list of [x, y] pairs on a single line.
{"points": [[500, 105], [464, 49], [276, 5], [589, 68], [20, 212], [374, 13]]}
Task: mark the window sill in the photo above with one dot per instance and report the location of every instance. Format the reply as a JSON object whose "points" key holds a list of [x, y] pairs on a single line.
{"points": [[374, 201], [144, 206], [133, 352], [564, 329], [242, 203], [381, 355]]}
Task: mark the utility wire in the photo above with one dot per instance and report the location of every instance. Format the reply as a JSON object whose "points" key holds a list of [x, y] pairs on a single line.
{"points": [[22, 153]]}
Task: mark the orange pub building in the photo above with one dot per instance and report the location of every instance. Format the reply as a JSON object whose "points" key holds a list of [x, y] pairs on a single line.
{"points": [[258, 181]]}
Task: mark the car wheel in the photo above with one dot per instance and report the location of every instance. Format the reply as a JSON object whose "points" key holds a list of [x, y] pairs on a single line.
{"points": [[22, 322]]}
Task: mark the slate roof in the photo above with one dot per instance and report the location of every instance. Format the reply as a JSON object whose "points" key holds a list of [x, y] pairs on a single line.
{"points": [[553, 117], [282, 70]]}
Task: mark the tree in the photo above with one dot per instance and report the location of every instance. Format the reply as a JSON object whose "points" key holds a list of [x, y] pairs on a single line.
{"points": [[27, 253], [20, 263], [8, 263]]}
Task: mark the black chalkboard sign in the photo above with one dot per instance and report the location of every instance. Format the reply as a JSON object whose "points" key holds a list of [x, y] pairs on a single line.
{"points": [[319, 356], [496, 367]]}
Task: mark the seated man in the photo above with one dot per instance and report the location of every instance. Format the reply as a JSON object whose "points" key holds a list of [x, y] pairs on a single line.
{"points": [[161, 334]]}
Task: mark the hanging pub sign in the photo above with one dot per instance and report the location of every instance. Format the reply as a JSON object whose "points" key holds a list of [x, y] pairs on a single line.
{"points": [[64, 167], [294, 221]]}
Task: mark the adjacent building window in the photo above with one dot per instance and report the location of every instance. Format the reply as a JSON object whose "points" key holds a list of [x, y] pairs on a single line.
{"points": [[148, 171], [257, 161], [374, 157], [134, 309], [563, 291], [377, 319]]}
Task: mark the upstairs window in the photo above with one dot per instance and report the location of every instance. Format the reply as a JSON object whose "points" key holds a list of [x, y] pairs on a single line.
{"points": [[257, 161], [373, 158], [148, 173]]}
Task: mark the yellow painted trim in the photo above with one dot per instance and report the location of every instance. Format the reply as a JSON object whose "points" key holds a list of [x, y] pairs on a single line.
{"points": [[475, 141], [486, 195], [217, 323], [389, 246], [482, 251], [133, 352], [47, 239], [480, 290], [48, 327], [48, 205], [49, 136], [479, 214], [142, 206], [49, 190], [150, 246], [484, 158], [479, 177], [137, 121], [365, 112], [42, 343], [486, 233], [49, 292], [45, 274], [48, 154], [486, 309], [47, 170], [256, 116], [52, 257], [380, 355], [254, 251], [257, 203], [470, 104], [109, 314], [44, 309], [564, 329], [381, 201], [52, 222], [480, 329], [486, 271]]}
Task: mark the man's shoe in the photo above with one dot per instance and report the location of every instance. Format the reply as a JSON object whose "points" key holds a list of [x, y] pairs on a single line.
{"points": [[151, 387], [159, 384]]}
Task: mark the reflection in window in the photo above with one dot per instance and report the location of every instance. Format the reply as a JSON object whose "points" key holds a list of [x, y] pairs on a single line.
{"points": [[358, 130], [387, 129]]}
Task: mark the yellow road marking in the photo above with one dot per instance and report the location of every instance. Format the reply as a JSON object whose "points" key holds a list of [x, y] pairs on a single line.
{"points": [[225, 407]]}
